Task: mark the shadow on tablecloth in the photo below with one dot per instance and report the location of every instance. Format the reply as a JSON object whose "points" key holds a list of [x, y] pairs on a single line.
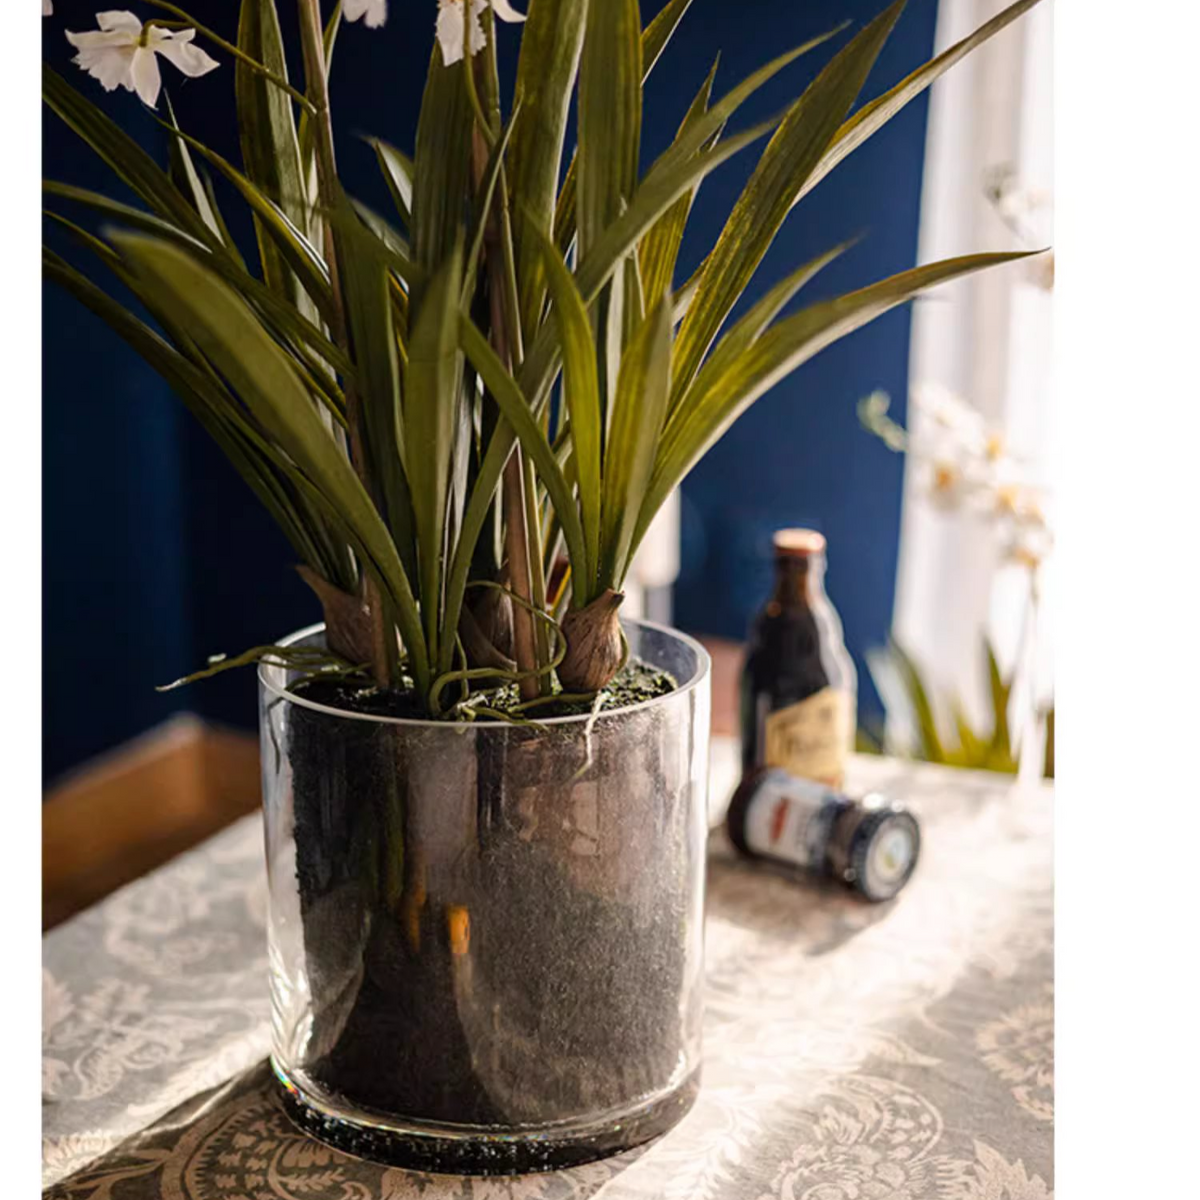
{"points": [[235, 1143]]}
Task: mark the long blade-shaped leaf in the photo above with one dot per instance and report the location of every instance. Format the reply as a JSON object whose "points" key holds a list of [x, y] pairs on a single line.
{"points": [[300, 255], [700, 132], [655, 37], [776, 354], [1001, 692], [659, 249], [550, 46], [183, 174], [880, 111], [641, 404], [205, 401], [126, 213], [519, 415], [742, 336], [581, 392], [659, 32], [230, 336], [270, 145], [475, 515], [398, 173], [368, 306], [661, 187], [610, 115], [442, 164], [307, 129], [130, 162], [483, 202], [931, 742], [283, 317], [790, 157], [431, 396]]}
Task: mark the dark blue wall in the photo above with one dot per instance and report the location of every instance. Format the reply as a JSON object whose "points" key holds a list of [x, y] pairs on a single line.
{"points": [[156, 554]]}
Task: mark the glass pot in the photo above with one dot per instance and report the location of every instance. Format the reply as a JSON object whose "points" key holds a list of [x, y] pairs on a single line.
{"points": [[486, 939]]}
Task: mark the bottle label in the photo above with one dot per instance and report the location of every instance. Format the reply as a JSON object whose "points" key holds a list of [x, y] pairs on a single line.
{"points": [[811, 738], [791, 819]]}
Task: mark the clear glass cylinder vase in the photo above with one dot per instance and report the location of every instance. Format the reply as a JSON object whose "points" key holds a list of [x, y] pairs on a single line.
{"points": [[486, 939]]}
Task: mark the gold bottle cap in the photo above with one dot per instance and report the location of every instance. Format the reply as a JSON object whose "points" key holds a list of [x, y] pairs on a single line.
{"points": [[799, 543]]}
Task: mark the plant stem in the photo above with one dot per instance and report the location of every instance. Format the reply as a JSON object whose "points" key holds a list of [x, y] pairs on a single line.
{"points": [[537, 577], [384, 656], [524, 636]]}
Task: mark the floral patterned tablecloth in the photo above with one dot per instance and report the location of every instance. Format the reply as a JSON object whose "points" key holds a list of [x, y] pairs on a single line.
{"points": [[852, 1052]]}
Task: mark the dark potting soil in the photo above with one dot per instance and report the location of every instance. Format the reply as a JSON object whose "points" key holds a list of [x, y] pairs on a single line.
{"points": [[635, 682], [461, 967]]}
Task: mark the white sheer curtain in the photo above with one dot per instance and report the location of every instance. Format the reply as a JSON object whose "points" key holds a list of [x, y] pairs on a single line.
{"points": [[987, 339]]}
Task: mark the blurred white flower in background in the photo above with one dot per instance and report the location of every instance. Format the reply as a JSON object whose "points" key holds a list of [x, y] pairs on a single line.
{"points": [[123, 54], [375, 11], [964, 466], [47, 8], [453, 15], [1029, 212]]}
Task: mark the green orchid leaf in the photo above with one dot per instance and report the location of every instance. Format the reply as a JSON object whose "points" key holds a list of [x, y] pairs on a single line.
{"points": [[610, 116], [479, 507], [932, 749], [298, 252], [659, 248], [790, 157], [778, 352], [643, 387], [269, 141], [1001, 693], [581, 393], [126, 158], [873, 116], [182, 172], [441, 165], [306, 129], [745, 333], [398, 171], [659, 32], [519, 415], [656, 193], [207, 402], [231, 337], [227, 238], [366, 293], [483, 203], [655, 37], [549, 62], [307, 339], [431, 397]]}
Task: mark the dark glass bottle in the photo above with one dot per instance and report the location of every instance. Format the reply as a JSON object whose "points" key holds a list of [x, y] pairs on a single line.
{"points": [[799, 687]]}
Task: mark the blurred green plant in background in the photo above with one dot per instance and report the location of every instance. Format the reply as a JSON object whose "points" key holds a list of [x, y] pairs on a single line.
{"points": [[964, 468], [984, 749]]}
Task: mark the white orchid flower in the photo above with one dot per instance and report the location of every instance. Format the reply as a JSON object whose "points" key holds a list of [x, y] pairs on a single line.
{"points": [[962, 465], [47, 8], [458, 23], [123, 54], [375, 11]]}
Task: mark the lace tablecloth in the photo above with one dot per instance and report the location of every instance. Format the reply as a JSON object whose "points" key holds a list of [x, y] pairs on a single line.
{"points": [[852, 1052]]}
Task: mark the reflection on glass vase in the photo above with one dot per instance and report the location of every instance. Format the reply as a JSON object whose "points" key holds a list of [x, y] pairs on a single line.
{"points": [[486, 938]]}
